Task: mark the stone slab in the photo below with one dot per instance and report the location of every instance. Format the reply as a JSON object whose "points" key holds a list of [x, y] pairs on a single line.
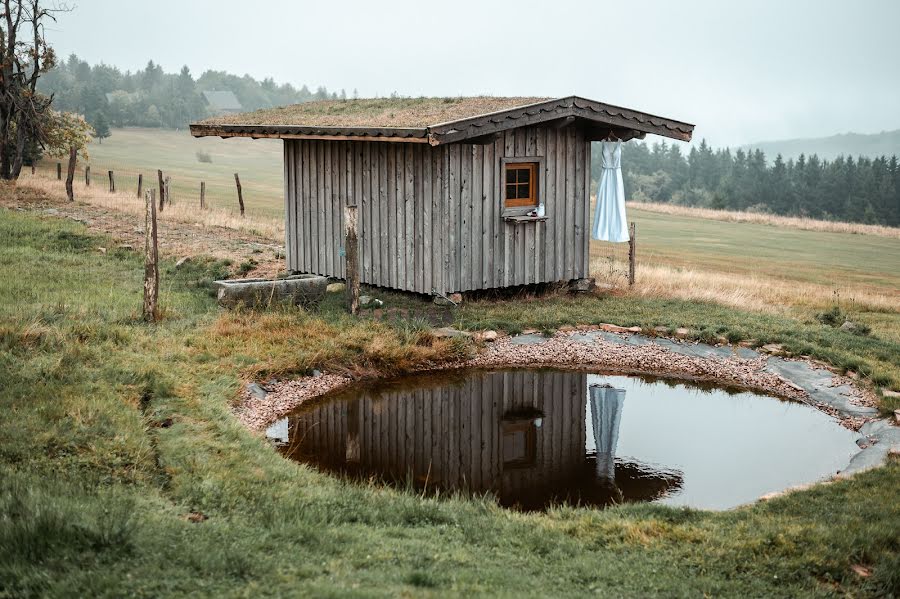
{"points": [[817, 382]]}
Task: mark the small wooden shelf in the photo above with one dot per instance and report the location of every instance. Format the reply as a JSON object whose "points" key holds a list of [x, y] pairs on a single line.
{"points": [[524, 219]]}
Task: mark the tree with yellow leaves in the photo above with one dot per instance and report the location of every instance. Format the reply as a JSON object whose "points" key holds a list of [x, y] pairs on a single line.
{"points": [[67, 133]]}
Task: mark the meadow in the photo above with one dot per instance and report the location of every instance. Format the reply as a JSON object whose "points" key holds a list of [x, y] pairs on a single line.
{"points": [[762, 263], [124, 472]]}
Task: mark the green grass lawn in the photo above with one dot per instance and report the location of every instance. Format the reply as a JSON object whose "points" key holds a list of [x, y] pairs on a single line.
{"points": [[115, 436], [842, 260]]}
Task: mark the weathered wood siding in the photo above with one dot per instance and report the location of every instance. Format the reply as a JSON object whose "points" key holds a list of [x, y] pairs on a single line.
{"points": [[452, 435], [431, 218]]}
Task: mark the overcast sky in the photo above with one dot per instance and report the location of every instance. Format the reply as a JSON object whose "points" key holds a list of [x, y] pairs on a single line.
{"points": [[753, 71]]}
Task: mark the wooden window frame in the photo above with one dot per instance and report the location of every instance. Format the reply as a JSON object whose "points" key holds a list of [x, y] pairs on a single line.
{"points": [[537, 184], [528, 428]]}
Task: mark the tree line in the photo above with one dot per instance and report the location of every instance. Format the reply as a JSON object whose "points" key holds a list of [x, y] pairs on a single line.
{"points": [[864, 190], [150, 97]]}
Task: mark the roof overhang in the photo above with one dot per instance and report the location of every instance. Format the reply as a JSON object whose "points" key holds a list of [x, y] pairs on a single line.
{"points": [[596, 118]]}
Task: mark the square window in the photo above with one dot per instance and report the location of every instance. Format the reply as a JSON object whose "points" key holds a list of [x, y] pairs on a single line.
{"points": [[521, 185]]}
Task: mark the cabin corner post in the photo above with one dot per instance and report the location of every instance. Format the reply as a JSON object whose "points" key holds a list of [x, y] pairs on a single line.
{"points": [[352, 257]]}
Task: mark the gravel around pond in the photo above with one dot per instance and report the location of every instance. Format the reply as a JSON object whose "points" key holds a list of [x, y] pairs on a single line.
{"points": [[631, 354]]}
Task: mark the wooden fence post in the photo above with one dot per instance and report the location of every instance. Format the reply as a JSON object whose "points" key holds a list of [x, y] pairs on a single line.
{"points": [[70, 174], [87, 175], [631, 254], [202, 195], [151, 260], [32, 170], [237, 181], [162, 190], [168, 195], [112, 182], [351, 251], [59, 171], [140, 183]]}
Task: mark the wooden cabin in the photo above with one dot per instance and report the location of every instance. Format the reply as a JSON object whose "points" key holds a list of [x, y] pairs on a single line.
{"points": [[445, 188]]}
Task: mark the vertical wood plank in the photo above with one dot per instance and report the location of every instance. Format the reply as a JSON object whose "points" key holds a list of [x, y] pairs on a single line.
{"points": [[327, 239], [465, 204], [290, 223], [427, 224], [475, 278], [579, 200], [390, 184], [560, 202], [383, 203], [453, 203], [571, 233], [487, 216], [409, 216]]}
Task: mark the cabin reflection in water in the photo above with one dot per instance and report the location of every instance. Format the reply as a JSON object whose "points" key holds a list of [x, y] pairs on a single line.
{"points": [[517, 434]]}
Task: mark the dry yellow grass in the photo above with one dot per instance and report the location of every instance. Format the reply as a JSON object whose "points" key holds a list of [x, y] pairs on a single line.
{"points": [[807, 224], [128, 202], [747, 292]]}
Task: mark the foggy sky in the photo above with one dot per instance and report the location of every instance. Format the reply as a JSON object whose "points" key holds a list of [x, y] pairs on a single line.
{"points": [[741, 72]]}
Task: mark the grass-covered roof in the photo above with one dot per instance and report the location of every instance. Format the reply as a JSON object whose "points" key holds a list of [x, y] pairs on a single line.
{"points": [[412, 113]]}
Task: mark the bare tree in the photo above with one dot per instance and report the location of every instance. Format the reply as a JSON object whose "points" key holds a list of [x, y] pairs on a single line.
{"points": [[24, 57]]}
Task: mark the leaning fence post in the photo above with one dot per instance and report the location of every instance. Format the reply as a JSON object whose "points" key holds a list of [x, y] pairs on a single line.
{"points": [[59, 170], [140, 183], [202, 195], [237, 181], [151, 260], [162, 190], [631, 253], [351, 253], [112, 182], [87, 175]]}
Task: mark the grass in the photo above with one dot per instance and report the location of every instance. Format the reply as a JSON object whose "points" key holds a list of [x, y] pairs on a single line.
{"points": [[134, 150], [807, 224], [124, 472]]}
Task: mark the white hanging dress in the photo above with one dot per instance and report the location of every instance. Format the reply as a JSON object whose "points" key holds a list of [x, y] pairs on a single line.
{"points": [[610, 223], [606, 413]]}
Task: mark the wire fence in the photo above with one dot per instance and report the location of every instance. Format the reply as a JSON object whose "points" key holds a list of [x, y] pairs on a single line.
{"points": [[613, 264], [260, 197]]}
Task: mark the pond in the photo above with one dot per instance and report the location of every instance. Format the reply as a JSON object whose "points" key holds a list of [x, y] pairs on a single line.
{"points": [[535, 438]]}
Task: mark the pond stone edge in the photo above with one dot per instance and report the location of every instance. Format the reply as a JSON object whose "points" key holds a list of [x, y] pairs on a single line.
{"points": [[632, 353]]}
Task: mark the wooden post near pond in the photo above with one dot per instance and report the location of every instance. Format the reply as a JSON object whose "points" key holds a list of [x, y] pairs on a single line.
{"points": [[162, 190], [237, 181], [151, 260], [87, 175], [351, 251], [140, 183], [202, 195], [631, 253], [59, 171], [112, 182]]}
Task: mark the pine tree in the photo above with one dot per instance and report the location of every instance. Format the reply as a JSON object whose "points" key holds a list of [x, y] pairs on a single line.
{"points": [[101, 127]]}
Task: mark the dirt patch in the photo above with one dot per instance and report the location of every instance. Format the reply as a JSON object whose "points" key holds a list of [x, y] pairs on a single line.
{"points": [[176, 239]]}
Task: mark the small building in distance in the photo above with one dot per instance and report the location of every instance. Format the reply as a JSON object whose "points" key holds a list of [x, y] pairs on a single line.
{"points": [[222, 102], [446, 189]]}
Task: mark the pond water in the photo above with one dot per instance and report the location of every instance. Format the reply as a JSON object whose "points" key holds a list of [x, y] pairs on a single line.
{"points": [[534, 438]]}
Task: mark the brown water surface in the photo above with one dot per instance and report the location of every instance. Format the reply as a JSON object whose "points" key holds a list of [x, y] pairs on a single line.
{"points": [[534, 438]]}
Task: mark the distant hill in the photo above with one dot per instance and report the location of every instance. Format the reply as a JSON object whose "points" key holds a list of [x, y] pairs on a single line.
{"points": [[886, 143]]}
